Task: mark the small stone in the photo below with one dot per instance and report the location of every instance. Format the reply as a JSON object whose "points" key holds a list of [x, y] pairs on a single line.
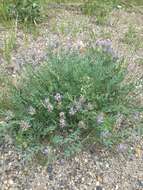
{"points": [[117, 187], [140, 183], [49, 168], [50, 177], [97, 183], [86, 160], [10, 181], [99, 188], [62, 162]]}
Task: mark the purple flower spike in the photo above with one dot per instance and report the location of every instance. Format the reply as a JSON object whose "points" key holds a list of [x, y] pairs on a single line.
{"points": [[104, 43]]}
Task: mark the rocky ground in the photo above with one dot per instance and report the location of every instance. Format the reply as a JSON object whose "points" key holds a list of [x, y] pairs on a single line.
{"points": [[90, 170], [121, 169]]}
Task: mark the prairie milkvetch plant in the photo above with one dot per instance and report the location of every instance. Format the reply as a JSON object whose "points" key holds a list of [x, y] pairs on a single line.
{"points": [[67, 102]]}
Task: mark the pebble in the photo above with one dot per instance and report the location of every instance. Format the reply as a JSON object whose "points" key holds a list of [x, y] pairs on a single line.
{"points": [[117, 187], [10, 181], [140, 183], [50, 168], [99, 188], [51, 177], [61, 162]]}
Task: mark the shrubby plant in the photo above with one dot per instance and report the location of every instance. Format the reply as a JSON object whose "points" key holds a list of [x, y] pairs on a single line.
{"points": [[68, 102], [23, 10]]}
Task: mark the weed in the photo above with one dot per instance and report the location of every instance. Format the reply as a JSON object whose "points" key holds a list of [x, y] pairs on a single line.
{"points": [[100, 9], [9, 46], [132, 38], [68, 102], [27, 10]]}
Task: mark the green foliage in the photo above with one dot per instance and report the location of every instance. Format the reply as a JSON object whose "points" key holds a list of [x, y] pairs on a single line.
{"points": [[67, 102], [9, 45], [132, 38], [100, 9], [25, 10]]}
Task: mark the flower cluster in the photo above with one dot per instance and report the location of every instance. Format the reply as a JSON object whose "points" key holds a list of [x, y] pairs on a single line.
{"points": [[62, 120], [78, 105], [46, 103], [58, 97], [46, 150], [106, 45]]}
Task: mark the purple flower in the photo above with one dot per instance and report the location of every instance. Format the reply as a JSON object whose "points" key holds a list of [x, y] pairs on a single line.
{"points": [[122, 147], [45, 151], [58, 97], [72, 111], [100, 118], [47, 105], [62, 120], [77, 105], [104, 43]]}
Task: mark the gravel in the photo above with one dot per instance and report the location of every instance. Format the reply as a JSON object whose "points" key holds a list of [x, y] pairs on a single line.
{"points": [[100, 169]]}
